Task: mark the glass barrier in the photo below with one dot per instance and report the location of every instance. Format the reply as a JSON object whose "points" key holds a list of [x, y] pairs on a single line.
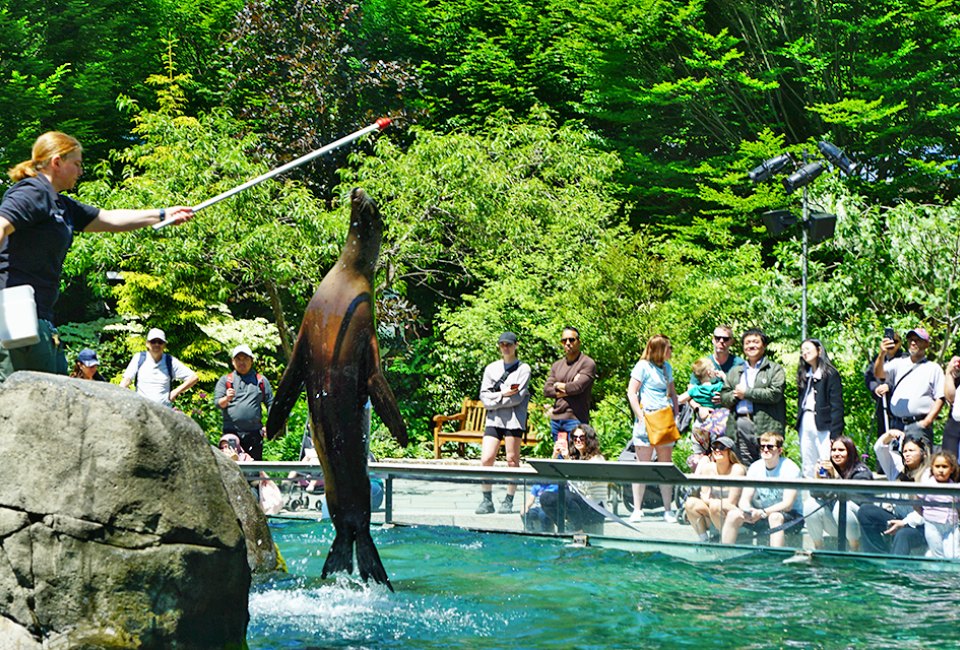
{"points": [[594, 503]]}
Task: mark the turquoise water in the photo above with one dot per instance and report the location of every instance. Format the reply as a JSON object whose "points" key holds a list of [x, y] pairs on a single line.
{"points": [[457, 589]]}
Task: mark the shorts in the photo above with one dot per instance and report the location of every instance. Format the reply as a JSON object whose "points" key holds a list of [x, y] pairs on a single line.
{"points": [[763, 525], [500, 433]]}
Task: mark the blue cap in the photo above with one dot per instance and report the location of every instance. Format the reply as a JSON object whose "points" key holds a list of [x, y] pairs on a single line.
{"points": [[88, 357]]}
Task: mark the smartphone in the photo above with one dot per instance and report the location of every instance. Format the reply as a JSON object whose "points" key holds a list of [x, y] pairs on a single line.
{"points": [[562, 446], [888, 333], [514, 386], [821, 471]]}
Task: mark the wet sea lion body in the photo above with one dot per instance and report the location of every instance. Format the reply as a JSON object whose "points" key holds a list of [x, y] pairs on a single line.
{"points": [[337, 359]]}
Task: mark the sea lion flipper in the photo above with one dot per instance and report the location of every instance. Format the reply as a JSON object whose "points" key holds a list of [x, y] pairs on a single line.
{"points": [[287, 393], [340, 557], [368, 560], [385, 404]]}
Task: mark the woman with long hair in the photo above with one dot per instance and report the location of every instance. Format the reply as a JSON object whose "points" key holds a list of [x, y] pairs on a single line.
{"points": [[711, 505], [651, 389], [580, 494], [37, 226], [896, 527], [819, 405], [822, 511]]}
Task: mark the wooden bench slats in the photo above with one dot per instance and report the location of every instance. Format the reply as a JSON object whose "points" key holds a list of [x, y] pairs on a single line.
{"points": [[470, 423]]}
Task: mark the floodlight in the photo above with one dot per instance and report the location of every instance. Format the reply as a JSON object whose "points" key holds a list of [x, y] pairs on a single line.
{"points": [[803, 176], [835, 155], [769, 167]]}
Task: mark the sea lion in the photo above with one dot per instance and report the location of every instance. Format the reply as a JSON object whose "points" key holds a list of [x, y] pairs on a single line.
{"points": [[337, 357]]}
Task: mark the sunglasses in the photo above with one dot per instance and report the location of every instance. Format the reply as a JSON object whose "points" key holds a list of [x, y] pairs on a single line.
{"points": [[717, 448], [580, 437], [569, 340], [157, 342], [769, 447], [721, 338]]}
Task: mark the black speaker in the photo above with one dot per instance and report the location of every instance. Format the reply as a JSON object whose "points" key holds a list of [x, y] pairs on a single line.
{"points": [[777, 221], [821, 226]]}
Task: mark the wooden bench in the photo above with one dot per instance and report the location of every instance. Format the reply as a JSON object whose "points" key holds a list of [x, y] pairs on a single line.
{"points": [[470, 423]]}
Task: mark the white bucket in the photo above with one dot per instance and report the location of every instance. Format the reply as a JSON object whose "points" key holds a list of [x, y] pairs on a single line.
{"points": [[18, 317]]}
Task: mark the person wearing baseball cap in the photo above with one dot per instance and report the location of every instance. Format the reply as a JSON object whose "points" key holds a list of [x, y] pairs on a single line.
{"points": [[153, 372], [711, 504], [914, 384], [504, 391], [87, 366], [241, 396]]}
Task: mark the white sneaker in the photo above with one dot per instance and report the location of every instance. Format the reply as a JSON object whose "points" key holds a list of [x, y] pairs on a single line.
{"points": [[670, 516], [636, 517]]}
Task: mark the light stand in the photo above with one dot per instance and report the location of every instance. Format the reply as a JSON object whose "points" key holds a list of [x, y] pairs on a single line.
{"points": [[822, 223]]}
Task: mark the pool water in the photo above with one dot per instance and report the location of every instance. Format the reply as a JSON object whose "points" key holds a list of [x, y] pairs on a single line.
{"points": [[458, 588]]}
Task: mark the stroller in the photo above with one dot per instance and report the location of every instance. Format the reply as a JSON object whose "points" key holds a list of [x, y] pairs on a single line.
{"points": [[305, 489]]}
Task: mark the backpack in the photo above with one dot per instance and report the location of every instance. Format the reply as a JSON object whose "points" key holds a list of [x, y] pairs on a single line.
{"points": [[263, 390], [168, 362]]}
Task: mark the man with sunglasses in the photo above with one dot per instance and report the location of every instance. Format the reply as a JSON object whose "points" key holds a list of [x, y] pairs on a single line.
{"points": [[723, 360], [153, 372], [570, 385], [766, 509]]}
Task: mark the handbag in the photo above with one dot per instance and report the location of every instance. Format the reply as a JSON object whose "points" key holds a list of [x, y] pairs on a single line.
{"points": [[661, 426]]}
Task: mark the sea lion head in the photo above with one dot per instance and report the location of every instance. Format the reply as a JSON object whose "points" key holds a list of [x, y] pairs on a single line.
{"points": [[366, 226]]}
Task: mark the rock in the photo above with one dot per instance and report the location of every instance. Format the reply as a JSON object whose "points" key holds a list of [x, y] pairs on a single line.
{"points": [[115, 526], [261, 551]]}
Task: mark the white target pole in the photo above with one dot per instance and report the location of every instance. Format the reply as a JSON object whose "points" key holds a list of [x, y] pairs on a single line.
{"points": [[376, 126]]}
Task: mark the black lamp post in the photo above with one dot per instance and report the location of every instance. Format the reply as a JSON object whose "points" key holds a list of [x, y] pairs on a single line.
{"points": [[815, 226]]}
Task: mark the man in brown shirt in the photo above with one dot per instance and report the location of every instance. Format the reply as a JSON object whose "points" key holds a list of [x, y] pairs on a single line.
{"points": [[570, 384]]}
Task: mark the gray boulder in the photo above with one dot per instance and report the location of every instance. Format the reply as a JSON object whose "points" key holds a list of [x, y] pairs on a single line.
{"points": [[261, 551], [115, 526]]}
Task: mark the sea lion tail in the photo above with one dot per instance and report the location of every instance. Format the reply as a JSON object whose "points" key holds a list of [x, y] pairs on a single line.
{"points": [[340, 557], [287, 394], [368, 560]]}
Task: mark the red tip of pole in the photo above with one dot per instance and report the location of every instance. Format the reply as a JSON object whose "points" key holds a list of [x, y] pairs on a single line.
{"points": [[383, 123]]}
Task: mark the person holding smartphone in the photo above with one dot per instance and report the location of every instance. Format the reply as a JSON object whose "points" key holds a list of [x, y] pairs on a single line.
{"points": [[914, 385], [505, 393], [882, 410]]}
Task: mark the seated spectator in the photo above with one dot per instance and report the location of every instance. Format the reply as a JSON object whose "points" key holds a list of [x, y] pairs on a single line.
{"points": [[580, 513], [940, 511], [895, 526], [712, 504], [87, 366], [822, 510], [766, 510], [535, 520]]}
